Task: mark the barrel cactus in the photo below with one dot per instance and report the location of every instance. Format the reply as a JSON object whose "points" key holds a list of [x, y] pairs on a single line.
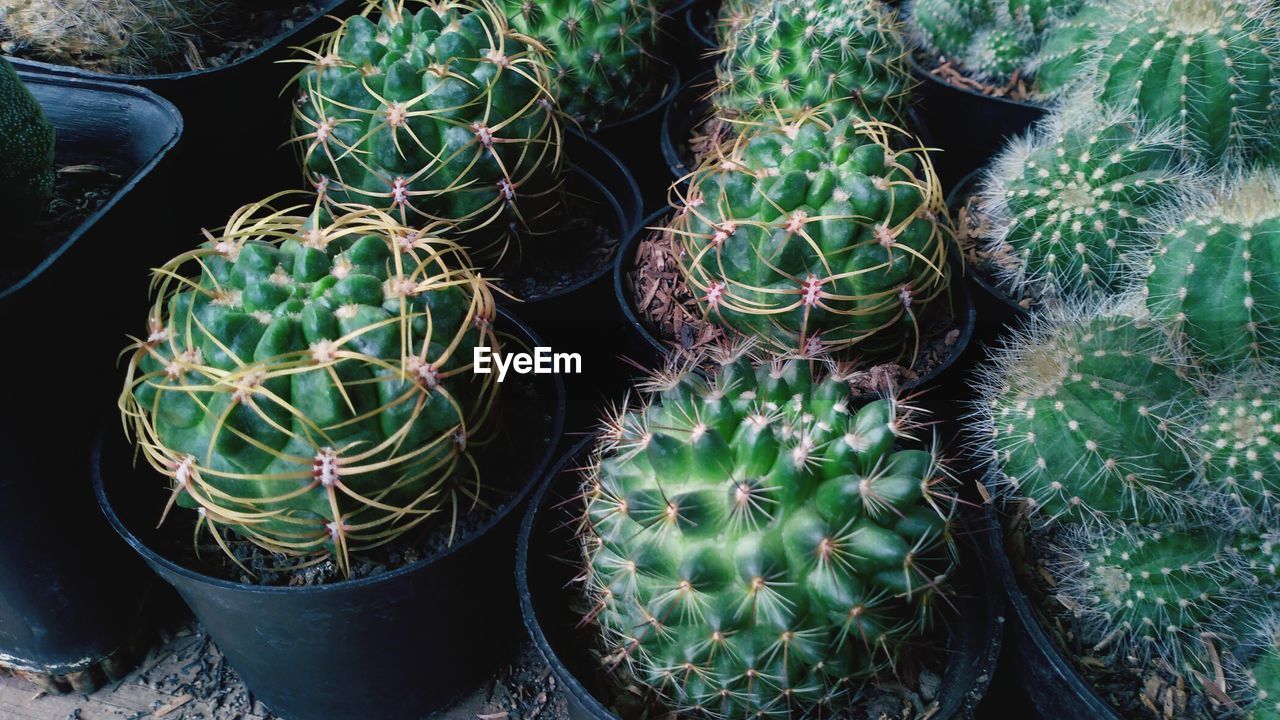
{"points": [[1087, 417], [141, 37], [433, 110], [992, 40], [1238, 440], [1210, 68], [307, 383], [1266, 683], [814, 237], [26, 151], [1216, 277], [1149, 592], [1077, 203], [756, 546], [848, 57], [603, 53]]}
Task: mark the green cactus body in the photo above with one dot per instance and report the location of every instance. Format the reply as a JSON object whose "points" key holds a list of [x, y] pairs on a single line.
{"points": [[1210, 68], [1066, 44], [141, 37], [603, 52], [1266, 684], [848, 57], [756, 546], [1258, 549], [1078, 202], [1149, 592], [433, 111], [26, 151], [310, 387], [1239, 442], [815, 238], [1216, 278], [1087, 420], [990, 39]]}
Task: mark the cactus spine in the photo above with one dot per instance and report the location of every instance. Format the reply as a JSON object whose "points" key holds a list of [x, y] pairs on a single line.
{"points": [[26, 150], [991, 39]]}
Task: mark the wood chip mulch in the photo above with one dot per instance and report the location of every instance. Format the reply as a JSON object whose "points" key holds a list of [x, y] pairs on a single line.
{"points": [[1016, 89]]}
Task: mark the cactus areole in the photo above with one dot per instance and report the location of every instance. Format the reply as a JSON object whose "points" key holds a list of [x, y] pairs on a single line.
{"points": [[307, 384], [756, 546], [434, 111]]}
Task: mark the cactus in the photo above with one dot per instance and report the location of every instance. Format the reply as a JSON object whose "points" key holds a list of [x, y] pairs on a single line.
{"points": [[1211, 68], [1066, 44], [1239, 443], [1089, 417], [815, 238], [1149, 592], [990, 39], [848, 57], [433, 110], [1077, 203], [140, 37], [756, 546], [1265, 681], [604, 65], [1216, 277], [1257, 548], [26, 151], [307, 384]]}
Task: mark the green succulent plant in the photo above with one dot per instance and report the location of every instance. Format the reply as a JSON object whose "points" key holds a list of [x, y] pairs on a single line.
{"points": [[1077, 203], [604, 53], [26, 151], [306, 383], [434, 111], [758, 546], [816, 238], [1239, 443], [848, 57], [993, 40], [1216, 276], [1265, 676]]}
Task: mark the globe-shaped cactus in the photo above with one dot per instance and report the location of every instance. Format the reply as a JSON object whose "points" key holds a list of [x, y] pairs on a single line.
{"points": [[816, 238], [1238, 440], [848, 57], [26, 150], [603, 53], [434, 111], [307, 383], [992, 40], [757, 546]]}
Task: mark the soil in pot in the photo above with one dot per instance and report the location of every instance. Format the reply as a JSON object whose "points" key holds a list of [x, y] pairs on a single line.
{"points": [[668, 310], [245, 29], [571, 245], [1016, 89], [1134, 688]]}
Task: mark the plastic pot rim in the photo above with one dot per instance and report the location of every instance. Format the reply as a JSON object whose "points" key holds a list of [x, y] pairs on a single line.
{"points": [[922, 74], [690, 12], [962, 191], [966, 317], [325, 8], [526, 489], [89, 84]]}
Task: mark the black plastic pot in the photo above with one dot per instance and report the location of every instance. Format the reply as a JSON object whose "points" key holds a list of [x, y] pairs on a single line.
{"points": [[940, 388], [393, 646], [967, 126], [633, 140], [545, 575], [582, 317], [237, 120], [70, 593], [999, 312], [689, 25], [1052, 684]]}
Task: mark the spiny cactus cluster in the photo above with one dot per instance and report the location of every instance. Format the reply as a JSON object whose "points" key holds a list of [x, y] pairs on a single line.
{"points": [[432, 111], [992, 40], [815, 238], [1209, 68], [26, 151], [1238, 440], [1216, 276], [307, 383], [848, 57], [1076, 204], [140, 37], [604, 63], [756, 546]]}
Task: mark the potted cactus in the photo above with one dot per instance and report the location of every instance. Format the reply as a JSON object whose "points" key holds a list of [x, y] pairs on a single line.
{"points": [[754, 542], [307, 387], [808, 238], [1139, 516], [74, 157]]}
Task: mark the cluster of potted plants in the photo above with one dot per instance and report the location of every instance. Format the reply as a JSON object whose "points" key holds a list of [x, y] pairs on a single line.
{"points": [[776, 519]]}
